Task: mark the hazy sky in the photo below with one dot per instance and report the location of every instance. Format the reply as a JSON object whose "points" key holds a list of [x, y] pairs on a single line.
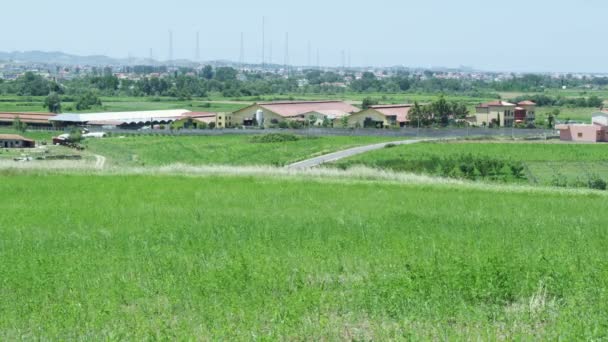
{"points": [[519, 35]]}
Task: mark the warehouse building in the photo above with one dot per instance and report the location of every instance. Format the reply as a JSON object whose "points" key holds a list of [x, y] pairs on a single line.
{"points": [[31, 119], [271, 113], [127, 120]]}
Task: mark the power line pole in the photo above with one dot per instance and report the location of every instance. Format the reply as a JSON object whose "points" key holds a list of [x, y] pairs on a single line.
{"points": [[263, 42], [308, 63], [287, 52], [242, 54], [197, 53], [170, 47]]}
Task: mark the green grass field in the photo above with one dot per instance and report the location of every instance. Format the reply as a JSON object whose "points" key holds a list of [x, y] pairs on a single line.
{"points": [[241, 258], [118, 104], [543, 161], [219, 150]]}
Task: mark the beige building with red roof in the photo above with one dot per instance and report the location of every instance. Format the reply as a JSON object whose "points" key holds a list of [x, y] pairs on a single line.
{"points": [[15, 141], [381, 116], [271, 113], [505, 114]]}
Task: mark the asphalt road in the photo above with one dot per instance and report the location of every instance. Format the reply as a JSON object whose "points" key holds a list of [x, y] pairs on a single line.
{"points": [[316, 161]]}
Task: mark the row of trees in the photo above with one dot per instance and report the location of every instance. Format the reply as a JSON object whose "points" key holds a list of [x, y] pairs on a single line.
{"points": [[439, 112], [542, 100], [231, 83]]}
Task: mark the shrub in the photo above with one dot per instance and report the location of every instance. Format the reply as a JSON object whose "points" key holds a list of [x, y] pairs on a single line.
{"points": [[295, 124], [283, 124], [274, 138], [595, 182]]}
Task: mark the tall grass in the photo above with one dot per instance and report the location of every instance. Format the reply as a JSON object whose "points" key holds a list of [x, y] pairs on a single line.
{"points": [[136, 257]]}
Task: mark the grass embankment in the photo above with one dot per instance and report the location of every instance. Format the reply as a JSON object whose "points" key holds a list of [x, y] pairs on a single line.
{"points": [[145, 257], [544, 163], [220, 150]]}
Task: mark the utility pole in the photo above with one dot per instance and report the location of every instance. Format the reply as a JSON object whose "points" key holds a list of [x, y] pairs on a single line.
{"points": [[197, 53], [263, 42], [170, 47], [287, 53], [242, 53], [308, 64]]}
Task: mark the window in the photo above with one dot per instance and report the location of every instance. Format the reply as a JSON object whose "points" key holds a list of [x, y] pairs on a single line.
{"points": [[580, 135]]}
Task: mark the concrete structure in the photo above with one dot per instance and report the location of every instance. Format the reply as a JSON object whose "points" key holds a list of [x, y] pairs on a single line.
{"points": [[597, 131], [505, 114], [15, 141], [275, 112], [31, 119], [122, 119], [381, 116]]}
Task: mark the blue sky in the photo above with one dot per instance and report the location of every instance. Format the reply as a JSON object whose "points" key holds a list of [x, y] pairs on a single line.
{"points": [[518, 35]]}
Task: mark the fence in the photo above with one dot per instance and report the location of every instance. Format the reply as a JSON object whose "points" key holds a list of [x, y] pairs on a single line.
{"points": [[403, 132]]}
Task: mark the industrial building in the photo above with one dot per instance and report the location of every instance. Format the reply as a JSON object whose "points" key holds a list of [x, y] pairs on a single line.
{"points": [[15, 141], [381, 116], [130, 120], [271, 113], [31, 119]]}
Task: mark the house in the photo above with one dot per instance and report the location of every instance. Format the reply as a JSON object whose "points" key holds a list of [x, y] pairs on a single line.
{"points": [[15, 141], [597, 131], [271, 113], [381, 116], [31, 119], [505, 114]]}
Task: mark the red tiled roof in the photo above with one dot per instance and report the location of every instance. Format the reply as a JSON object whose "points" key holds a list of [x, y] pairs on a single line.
{"points": [[26, 117], [496, 104], [199, 114], [526, 103], [13, 137], [295, 108], [401, 111]]}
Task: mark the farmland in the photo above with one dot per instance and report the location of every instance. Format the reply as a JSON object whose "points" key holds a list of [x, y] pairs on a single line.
{"points": [[545, 163], [164, 257], [219, 150]]}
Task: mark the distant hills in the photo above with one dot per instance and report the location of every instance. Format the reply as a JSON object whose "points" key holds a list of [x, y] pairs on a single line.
{"points": [[61, 58]]}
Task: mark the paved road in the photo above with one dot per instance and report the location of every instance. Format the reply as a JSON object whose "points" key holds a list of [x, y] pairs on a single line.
{"points": [[308, 163]]}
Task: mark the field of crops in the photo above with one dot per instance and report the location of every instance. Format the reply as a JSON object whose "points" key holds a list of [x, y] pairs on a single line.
{"points": [[117, 104], [220, 150], [544, 163], [160, 257]]}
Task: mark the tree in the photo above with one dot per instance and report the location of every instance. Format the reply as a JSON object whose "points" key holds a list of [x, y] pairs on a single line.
{"points": [[344, 121], [368, 102], [88, 100], [53, 103], [552, 117], [19, 125], [442, 109], [207, 72]]}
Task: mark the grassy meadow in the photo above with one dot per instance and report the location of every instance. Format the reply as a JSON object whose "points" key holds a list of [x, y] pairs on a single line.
{"points": [[140, 257], [545, 162], [119, 104], [145, 150]]}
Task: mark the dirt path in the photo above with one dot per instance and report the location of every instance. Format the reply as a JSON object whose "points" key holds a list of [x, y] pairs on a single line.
{"points": [[100, 161]]}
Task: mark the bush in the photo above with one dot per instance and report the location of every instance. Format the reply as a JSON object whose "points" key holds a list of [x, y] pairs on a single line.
{"points": [[274, 138], [597, 183], [283, 124], [295, 124]]}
